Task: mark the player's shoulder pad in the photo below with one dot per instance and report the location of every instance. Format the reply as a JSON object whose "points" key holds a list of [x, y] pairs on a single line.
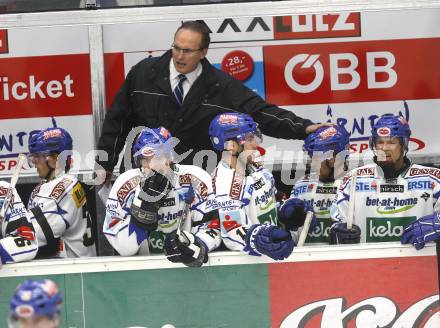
{"points": [[421, 170], [124, 184], [60, 186], [191, 174], [4, 184]]}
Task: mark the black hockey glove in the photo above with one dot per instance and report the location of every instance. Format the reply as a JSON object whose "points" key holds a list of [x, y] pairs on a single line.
{"points": [[185, 248], [148, 200], [339, 234]]}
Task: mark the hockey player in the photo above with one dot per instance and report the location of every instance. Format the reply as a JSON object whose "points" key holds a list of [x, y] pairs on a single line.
{"points": [[390, 193], [147, 203], [327, 149], [18, 242], [244, 201], [58, 204], [35, 304]]}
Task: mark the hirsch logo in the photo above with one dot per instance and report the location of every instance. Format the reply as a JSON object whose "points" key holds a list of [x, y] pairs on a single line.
{"points": [[391, 188], [342, 77], [4, 49]]}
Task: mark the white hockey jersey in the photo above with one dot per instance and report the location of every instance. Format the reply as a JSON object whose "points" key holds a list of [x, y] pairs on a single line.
{"points": [[59, 211], [320, 195], [17, 237], [241, 202], [126, 237], [383, 208]]}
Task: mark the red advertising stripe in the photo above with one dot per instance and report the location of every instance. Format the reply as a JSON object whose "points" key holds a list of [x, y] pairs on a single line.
{"points": [[317, 26], [340, 290], [45, 86], [352, 71], [114, 75], [4, 49]]}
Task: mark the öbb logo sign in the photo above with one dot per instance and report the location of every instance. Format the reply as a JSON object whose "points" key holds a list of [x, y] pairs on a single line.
{"points": [[338, 68], [345, 72]]}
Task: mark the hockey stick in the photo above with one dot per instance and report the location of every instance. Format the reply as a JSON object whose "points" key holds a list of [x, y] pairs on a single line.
{"points": [[351, 201], [437, 248], [305, 230], [14, 179], [202, 176]]}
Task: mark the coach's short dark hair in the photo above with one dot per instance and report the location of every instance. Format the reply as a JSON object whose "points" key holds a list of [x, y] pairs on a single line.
{"points": [[199, 27]]}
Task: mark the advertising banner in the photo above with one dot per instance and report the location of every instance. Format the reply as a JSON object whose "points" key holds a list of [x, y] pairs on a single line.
{"points": [[237, 290], [348, 68], [392, 292], [44, 81]]}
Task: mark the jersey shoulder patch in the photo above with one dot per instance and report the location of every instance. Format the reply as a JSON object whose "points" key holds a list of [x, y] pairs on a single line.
{"points": [[79, 195], [60, 188]]}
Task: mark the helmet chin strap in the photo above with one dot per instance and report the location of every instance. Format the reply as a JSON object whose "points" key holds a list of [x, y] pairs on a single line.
{"points": [[49, 173]]}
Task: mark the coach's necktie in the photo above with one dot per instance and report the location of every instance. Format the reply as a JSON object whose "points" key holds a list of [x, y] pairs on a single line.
{"points": [[178, 90]]}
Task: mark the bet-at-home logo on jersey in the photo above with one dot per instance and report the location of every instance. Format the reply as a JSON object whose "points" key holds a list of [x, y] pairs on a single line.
{"points": [[387, 229]]}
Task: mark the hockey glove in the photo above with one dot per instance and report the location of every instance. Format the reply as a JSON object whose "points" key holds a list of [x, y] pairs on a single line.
{"points": [[292, 213], [148, 200], [423, 230], [339, 234], [185, 248], [269, 240], [188, 197]]}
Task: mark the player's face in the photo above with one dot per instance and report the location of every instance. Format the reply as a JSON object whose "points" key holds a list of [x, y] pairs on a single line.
{"points": [[186, 51], [252, 143], [37, 322], [156, 163], [40, 162], [43, 163], [388, 150]]}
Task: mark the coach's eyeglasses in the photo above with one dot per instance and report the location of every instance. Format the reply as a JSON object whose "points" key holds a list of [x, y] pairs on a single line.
{"points": [[184, 51]]}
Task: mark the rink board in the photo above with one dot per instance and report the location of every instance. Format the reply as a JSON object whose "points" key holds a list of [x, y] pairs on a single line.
{"points": [[316, 287]]}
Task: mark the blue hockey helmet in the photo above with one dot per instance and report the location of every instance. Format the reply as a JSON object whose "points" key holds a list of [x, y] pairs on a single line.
{"points": [[152, 142], [390, 125], [231, 126], [34, 298], [50, 141], [327, 138]]}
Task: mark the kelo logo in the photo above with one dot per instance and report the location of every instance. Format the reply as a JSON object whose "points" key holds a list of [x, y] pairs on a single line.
{"points": [[371, 312], [387, 229], [4, 49], [321, 232], [337, 69]]}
